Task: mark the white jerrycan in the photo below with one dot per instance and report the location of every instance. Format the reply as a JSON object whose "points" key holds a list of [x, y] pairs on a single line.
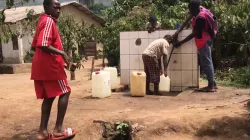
{"points": [[101, 86], [113, 76], [164, 85]]}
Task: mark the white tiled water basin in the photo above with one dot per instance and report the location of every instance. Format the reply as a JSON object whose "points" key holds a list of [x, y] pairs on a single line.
{"points": [[183, 68]]}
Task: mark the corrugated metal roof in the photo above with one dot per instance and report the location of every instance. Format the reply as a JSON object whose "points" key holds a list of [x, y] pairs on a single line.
{"points": [[16, 14]]}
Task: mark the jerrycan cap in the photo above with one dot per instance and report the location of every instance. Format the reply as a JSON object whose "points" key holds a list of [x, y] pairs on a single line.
{"points": [[138, 73]]}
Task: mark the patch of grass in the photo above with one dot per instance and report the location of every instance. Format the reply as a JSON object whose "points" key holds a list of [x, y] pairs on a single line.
{"points": [[230, 84], [234, 77]]}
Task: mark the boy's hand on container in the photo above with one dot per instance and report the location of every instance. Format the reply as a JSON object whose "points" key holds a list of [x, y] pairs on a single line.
{"points": [[165, 73], [161, 72]]}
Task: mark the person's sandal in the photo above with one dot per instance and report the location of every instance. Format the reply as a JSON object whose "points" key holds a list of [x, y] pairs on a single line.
{"points": [[201, 89], [69, 133], [205, 88], [208, 89]]}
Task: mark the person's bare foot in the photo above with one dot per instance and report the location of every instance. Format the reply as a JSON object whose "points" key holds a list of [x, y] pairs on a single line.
{"points": [[43, 135], [58, 133]]}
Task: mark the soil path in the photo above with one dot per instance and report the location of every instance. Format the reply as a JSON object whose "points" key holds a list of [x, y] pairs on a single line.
{"points": [[176, 117]]}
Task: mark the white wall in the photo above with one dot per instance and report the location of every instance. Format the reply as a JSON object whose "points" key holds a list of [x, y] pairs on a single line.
{"points": [[16, 56], [11, 56], [27, 40]]}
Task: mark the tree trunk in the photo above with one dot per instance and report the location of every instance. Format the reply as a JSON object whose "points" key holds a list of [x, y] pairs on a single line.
{"points": [[92, 68], [103, 62], [217, 52], [72, 75], [103, 57]]}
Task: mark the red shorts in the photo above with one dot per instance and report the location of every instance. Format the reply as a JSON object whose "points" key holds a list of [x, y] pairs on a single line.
{"points": [[51, 88]]}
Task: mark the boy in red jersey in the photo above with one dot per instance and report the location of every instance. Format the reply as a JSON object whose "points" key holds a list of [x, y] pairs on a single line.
{"points": [[48, 73]]}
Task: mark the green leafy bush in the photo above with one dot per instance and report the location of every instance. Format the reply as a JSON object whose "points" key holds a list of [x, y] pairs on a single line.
{"points": [[239, 77]]}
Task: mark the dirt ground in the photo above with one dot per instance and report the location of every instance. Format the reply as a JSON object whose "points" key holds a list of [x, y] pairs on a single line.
{"points": [[183, 116]]}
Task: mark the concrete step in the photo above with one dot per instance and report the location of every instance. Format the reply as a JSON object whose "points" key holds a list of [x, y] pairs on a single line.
{"points": [[15, 68]]}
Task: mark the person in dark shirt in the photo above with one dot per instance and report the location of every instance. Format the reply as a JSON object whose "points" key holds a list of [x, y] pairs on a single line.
{"points": [[152, 24], [202, 34]]}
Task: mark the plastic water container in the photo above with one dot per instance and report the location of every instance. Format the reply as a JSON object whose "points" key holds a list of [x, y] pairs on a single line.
{"points": [[113, 76], [101, 86], [138, 83], [164, 85]]}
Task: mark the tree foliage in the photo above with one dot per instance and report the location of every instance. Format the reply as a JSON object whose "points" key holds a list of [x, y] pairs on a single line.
{"points": [[131, 15], [234, 30], [98, 8]]}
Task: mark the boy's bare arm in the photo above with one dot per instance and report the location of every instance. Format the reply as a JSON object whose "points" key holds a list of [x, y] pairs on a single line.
{"points": [[159, 64], [53, 50], [50, 49], [165, 62], [189, 37]]}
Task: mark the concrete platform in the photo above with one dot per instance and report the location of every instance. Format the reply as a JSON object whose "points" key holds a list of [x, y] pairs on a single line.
{"points": [[15, 68]]}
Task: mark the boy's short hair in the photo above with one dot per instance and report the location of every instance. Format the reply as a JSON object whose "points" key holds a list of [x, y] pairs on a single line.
{"points": [[194, 4], [169, 38], [47, 2]]}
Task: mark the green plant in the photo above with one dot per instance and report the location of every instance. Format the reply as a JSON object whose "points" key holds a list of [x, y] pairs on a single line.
{"points": [[98, 8], [120, 128], [29, 55], [123, 131], [109, 35], [74, 35], [239, 77], [234, 29]]}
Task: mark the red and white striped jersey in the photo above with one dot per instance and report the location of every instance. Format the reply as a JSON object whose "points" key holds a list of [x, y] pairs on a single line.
{"points": [[47, 66]]}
